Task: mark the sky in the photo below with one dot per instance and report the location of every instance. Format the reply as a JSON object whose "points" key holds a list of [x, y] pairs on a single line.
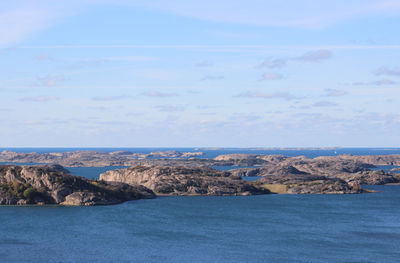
{"points": [[179, 73]]}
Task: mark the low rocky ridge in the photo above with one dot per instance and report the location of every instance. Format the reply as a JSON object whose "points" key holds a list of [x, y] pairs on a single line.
{"points": [[207, 181], [350, 171], [376, 177], [285, 178], [52, 184], [184, 180], [392, 159], [308, 184]]}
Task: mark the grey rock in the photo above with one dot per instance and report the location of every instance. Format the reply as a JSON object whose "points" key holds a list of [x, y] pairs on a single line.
{"points": [[183, 180]]}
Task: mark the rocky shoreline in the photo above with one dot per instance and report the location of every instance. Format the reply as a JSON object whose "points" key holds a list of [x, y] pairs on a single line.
{"points": [[176, 173], [53, 184], [208, 181], [184, 181]]}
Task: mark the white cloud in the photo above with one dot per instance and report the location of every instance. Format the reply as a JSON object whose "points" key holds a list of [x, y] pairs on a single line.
{"points": [[21, 19]]}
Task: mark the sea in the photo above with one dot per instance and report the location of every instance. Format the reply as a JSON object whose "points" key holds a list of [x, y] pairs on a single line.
{"points": [[265, 228]]}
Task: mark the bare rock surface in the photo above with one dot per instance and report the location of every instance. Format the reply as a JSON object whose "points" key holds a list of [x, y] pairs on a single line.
{"points": [[377, 177], [308, 184], [353, 171], [52, 184], [183, 180], [183, 173]]}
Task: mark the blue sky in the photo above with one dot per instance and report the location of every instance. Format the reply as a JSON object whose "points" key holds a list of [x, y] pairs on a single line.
{"points": [[199, 73]]}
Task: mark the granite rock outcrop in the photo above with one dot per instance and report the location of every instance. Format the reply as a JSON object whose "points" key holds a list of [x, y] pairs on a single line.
{"points": [[183, 180], [53, 184]]}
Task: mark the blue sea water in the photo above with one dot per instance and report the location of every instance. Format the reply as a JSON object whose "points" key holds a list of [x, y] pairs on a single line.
{"points": [[268, 228], [91, 172]]}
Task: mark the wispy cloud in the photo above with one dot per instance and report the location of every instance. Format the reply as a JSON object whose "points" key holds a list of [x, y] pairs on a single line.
{"points": [[263, 95], [111, 98], [270, 76], [170, 108], [45, 57], [314, 56], [334, 93], [388, 72], [324, 104], [157, 94], [49, 81], [41, 98], [90, 62], [274, 13], [22, 19], [382, 82], [273, 63]]}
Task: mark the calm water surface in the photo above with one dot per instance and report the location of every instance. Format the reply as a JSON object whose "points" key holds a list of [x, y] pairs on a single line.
{"points": [[269, 228]]}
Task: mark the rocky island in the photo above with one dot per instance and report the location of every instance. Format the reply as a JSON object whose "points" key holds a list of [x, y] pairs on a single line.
{"points": [[183, 173], [52, 184], [356, 171], [171, 180], [207, 181]]}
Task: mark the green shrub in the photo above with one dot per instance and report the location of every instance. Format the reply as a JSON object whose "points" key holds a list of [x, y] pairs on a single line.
{"points": [[30, 193]]}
